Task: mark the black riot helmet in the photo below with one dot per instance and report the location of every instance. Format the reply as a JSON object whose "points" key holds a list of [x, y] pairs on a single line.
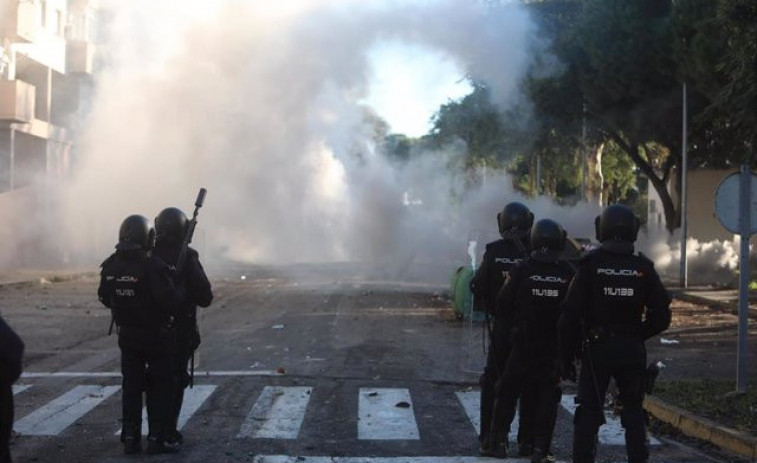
{"points": [[515, 220], [136, 232], [170, 225], [548, 235], [616, 222]]}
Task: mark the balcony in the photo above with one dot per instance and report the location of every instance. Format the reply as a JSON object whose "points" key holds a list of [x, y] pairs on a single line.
{"points": [[79, 57], [16, 101], [20, 22]]}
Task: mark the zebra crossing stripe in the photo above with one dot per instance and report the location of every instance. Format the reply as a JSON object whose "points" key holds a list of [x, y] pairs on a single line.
{"points": [[471, 402], [62, 412], [19, 388], [610, 433], [277, 414], [193, 399], [386, 414], [302, 459]]}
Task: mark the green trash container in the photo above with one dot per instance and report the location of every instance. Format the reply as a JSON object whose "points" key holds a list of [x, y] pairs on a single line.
{"points": [[462, 299]]}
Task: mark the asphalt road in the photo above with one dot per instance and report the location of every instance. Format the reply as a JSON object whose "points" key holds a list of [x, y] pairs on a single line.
{"points": [[313, 364]]}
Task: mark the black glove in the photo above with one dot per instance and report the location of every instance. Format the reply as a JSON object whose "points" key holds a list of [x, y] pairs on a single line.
{"points": [[568, 370]]}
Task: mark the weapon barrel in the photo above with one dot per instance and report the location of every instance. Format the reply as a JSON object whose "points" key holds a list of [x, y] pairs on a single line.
{"points": [[190, 231]]}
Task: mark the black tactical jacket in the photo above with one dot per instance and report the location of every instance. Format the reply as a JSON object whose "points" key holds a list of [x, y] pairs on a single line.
{"points": [[138, 288], [499, 257], [193, 279], [617, 293], [11, 354], [529, 302]]}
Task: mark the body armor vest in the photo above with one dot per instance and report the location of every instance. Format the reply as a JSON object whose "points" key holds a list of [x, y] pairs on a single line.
{"points": [[128, 291], [618, 292]]}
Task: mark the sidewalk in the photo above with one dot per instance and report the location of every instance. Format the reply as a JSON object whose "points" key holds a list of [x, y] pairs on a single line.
{"points": [[718, 298], [728, 439]]}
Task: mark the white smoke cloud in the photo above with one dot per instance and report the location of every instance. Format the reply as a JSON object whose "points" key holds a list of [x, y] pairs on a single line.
{"points": [[708, 262], [259, 104]]}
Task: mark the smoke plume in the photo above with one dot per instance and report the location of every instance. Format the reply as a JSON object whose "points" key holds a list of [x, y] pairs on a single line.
{"points": [[260, 105]]}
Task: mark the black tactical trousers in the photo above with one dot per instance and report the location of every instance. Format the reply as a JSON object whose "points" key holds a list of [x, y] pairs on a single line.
{"points": [[624, 359], [6, 420], [535, 377], [496, 360], [146, 368], [185, 346]]}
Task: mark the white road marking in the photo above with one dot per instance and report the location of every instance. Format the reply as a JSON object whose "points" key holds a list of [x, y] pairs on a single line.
{"points": [[193, 400], [302, 459], [18, 388], [386, 414], [62, 412], [471, 402], [194, 397], [610, 433], [117, 374], [277, 414]]}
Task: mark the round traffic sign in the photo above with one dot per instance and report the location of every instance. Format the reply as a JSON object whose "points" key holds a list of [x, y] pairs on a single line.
{"points": [[727, 203]]}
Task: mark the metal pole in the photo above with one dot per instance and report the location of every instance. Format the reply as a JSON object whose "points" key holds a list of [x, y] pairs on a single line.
{"points": [[684, 194], [745, 225]]}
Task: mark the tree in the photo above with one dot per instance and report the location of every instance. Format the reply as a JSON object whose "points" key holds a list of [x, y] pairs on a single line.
{"points": [[738, 97]]}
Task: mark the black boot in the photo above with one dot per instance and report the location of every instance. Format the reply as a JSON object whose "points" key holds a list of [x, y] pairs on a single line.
{"points": [[131, 437], [157, 444], [541, 456], [494, 446], [132, 445], [175, 437], [525, 449]]}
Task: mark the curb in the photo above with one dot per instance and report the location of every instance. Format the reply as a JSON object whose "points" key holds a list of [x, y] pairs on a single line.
{"points": [[702, 428], [731, 306]]}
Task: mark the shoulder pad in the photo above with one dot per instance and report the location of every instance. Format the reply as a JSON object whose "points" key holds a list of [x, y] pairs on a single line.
{"points": [[643, 257], [192, 252], [108, 260], [492, 244], [589, 255]]}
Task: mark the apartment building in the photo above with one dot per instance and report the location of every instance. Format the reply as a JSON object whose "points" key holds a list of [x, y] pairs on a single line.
{"points": [[46, 64]]}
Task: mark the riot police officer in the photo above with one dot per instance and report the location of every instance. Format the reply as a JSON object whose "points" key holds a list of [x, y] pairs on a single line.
{"points": [[11, 355], [615, 302], [529, 303], [514, 223], [139, 290], [170, 227]]}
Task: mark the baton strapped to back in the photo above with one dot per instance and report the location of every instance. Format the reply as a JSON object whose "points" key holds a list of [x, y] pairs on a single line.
{"points": [[181, 260], [190, 231]]}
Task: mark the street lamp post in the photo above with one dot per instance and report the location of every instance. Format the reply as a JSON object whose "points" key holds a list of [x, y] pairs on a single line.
{"points": [[684, 194]]}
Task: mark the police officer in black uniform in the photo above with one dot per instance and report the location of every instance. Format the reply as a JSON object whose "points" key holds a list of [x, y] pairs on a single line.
{"points": [[615, 302], [170, 228], [140, 291], [514, 223], [11, 355], [529, 303]]}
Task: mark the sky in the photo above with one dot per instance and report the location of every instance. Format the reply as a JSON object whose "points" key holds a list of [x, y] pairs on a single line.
{"points": [[408, 83]]}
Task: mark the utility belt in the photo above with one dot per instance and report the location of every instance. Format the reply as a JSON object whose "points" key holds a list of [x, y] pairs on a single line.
{"points": [[598, 334]]}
